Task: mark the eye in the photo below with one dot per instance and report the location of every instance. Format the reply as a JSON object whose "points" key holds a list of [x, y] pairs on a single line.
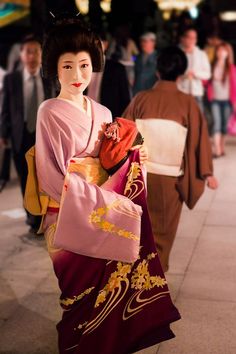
{"points": [[67, 67], [83, 66]]}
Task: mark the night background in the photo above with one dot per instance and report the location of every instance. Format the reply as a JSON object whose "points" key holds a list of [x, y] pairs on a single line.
{"points": [[20, 17]]}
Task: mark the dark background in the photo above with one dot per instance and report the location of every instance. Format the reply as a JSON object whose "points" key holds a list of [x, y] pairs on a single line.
{"points": [[139, 15]]}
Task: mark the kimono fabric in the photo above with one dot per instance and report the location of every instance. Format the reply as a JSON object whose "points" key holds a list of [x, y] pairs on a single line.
{"points": [[166, 194], [109, 307]]}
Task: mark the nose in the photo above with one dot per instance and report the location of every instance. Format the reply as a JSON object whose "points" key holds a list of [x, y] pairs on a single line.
{"points": [[77, 74]]}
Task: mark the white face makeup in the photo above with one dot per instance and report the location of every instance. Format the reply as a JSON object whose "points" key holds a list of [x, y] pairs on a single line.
{"points": [[74, 72]]}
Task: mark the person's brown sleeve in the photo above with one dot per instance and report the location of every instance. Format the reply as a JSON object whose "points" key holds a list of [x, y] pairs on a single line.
{"points": [[200, 137], [197, 157]]}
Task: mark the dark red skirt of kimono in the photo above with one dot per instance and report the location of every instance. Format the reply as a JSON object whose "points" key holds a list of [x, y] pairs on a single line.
{"points": [[113, 307]]}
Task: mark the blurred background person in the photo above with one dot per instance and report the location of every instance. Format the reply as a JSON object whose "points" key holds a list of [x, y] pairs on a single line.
{"points": [[222, 95], [163, 106], [213, 41], [13, 63], [145, 63], [123, 46], [111, 87], [23, 91], [198, 67]]}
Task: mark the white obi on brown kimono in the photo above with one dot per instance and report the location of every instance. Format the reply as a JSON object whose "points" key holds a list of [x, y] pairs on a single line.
{"points": [[165, 141]]}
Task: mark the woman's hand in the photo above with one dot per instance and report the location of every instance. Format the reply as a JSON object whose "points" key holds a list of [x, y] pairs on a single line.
{"points": [[212, 182], [143, 152]]}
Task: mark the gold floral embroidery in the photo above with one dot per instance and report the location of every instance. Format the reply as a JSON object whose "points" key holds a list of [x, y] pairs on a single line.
{"points": [[119, 283], [81, 326], [141, 278], [96, 218], [132, 188], [151, 255], [142, 281], [114, 292], [68, 301], [114, 281]]}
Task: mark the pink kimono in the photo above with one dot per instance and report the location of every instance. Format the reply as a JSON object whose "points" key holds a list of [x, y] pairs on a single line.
{"points": [[110, 307]]}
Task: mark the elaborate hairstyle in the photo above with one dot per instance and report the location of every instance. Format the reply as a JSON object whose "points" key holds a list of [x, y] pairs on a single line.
{"points": [[70, 35], [171, 63]]}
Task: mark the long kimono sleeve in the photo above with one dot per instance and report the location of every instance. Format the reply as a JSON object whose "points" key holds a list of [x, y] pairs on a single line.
{"points": [[89, 214], [51, 154], [197, 158]]}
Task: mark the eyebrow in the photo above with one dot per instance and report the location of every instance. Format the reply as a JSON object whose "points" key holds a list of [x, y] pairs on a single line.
{"points": [[72, 61]]}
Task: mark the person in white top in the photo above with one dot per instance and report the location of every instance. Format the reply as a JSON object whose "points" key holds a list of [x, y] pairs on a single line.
{"points": [[198, 69]]}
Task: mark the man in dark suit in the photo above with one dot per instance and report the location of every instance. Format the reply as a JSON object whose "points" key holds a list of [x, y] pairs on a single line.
{"points": [[23, 91]]}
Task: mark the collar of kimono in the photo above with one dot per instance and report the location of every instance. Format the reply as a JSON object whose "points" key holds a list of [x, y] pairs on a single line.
{"points": [[165, 85]]}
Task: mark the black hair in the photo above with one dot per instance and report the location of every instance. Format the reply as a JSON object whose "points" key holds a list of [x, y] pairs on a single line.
{"points": [[171, 63], [28, 39], [70, 35], [188, 29], [214, 34]]}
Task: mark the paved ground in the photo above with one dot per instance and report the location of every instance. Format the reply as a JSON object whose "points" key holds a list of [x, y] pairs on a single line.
{"points": [[202, 276]]}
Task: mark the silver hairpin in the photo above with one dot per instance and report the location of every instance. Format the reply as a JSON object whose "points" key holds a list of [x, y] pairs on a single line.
{"points": [[52, 14], [78, 14]]}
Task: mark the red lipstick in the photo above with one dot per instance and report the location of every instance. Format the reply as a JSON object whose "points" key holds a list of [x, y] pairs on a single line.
{"points": [[77, 84]]}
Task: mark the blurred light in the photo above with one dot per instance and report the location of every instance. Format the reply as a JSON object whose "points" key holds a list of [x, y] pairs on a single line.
{"points": [[228, 16], [194, 12], [181, 5], [83, 6], [166, 15], [17, 2], [11, 12], [106, 5]]}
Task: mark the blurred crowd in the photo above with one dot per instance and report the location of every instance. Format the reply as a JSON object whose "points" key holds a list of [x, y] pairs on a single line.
{"points": [[130, 67]]}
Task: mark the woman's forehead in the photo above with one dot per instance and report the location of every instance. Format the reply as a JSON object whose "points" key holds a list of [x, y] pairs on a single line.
{"points": [[75, 56]]}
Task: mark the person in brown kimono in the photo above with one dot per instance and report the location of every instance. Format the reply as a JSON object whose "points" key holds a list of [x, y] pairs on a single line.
{"points": [[166, 193]]}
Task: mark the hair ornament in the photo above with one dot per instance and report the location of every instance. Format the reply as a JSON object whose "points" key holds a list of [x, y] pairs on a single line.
{"points": [[52, 14]]}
